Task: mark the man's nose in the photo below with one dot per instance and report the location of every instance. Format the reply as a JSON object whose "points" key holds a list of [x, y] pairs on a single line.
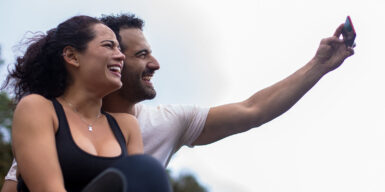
{"points": [[154, 64]]}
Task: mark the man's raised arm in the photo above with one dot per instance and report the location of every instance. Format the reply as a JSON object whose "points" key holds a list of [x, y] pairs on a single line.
{"points": [[271, 102]]}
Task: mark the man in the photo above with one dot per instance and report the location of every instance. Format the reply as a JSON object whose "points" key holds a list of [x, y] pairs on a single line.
{"points": [[166, 128]]}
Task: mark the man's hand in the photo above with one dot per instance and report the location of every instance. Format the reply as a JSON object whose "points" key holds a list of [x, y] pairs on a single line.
{"points": [[332, 51]]}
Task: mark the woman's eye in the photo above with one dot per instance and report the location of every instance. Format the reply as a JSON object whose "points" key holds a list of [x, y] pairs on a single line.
{"points": [[108, 45]]}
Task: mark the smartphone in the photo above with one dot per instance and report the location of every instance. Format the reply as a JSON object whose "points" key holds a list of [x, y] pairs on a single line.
{"points": [[348, 32]]}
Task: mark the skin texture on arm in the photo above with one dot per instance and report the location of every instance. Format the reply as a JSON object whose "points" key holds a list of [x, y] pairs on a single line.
{"points": [[271, 102], [33, 141], [135, 143], [130, 128]]}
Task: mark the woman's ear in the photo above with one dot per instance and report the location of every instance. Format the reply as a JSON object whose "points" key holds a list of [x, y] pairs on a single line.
{"points": [[70, 56]]}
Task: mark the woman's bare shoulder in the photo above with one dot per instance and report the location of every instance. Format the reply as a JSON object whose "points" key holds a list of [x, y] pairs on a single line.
{"points": [[126, 122], [123, 116], [35, 107], [34, 100]]}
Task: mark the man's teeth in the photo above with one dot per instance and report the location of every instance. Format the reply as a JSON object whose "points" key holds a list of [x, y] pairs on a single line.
{"points": [[115, 69], [147, 78]]}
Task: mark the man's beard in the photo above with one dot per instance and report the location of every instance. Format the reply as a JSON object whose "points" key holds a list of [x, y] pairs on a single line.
{"points": [[135, 91], [146, 93]]}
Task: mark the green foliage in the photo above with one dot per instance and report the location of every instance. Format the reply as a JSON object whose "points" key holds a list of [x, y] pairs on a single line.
{"points": [[186, 183], [5, 160], [6, 108], [6, 113]]}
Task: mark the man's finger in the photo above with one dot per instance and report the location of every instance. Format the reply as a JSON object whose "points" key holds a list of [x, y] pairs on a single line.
{"points": [[338, 31], [350, 50], [333, 39]]}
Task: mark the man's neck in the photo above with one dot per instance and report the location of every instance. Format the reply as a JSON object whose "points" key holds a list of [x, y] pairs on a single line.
{"points": [[115, 103]]}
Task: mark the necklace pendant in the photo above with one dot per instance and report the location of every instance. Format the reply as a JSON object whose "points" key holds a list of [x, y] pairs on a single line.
{"points": [[90, 128]]}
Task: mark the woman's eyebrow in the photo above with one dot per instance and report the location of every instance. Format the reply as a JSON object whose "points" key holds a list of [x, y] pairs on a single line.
{"points": [[111, 41]]}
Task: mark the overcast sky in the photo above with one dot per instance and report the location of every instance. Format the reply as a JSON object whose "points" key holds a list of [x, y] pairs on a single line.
{"points": [[214, 52]]}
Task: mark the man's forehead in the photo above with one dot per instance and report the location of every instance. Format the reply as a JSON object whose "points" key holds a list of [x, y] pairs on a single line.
{"points": [[133, 38]]}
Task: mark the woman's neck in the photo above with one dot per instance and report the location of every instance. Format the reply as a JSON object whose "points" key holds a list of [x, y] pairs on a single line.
{"points": [[83, 102]]}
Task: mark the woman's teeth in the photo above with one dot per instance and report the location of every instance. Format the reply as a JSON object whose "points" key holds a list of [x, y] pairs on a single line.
{"points": [[115, 69]]}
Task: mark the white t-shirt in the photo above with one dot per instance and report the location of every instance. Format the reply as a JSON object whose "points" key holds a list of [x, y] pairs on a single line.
{"points": [[165, 129]]}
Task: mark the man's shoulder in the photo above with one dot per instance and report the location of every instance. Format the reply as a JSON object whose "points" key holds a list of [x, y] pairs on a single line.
{"points": [[146, 109], [141, 108], [169, 112]]}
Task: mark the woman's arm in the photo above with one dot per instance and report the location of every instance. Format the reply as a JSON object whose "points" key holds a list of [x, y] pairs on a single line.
{"points": [[33, 142], [9, 186], [130, 129], [135, 142]]}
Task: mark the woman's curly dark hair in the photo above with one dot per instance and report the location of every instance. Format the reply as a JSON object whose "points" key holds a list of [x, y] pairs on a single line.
{"points": [[41, 69]]}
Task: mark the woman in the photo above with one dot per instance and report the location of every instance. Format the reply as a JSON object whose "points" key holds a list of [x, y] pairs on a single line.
{"points": [[61, 139]]}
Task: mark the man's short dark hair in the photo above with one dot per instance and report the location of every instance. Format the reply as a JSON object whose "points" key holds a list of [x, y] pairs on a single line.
{"points": [[122, 21]]}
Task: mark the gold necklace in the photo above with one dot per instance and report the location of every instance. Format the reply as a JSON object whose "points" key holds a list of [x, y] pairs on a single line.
{"points": [[90, 125]]}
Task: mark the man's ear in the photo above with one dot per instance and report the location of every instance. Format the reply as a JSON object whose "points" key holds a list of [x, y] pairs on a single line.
{"points": [[70, 56]]}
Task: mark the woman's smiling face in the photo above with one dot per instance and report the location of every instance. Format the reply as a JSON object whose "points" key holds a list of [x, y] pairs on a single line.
{"points": [[101, 63]]}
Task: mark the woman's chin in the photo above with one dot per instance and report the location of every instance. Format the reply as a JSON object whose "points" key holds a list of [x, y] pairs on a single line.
{"points": [[115, 86]]}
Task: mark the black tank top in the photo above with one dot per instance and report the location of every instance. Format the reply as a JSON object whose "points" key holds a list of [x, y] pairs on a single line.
{"points": [[79, 167]]}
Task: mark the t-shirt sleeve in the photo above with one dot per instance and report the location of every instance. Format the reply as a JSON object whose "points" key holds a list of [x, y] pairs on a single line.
{"points": [[166, 128], [12, 172], [195, 119]]}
